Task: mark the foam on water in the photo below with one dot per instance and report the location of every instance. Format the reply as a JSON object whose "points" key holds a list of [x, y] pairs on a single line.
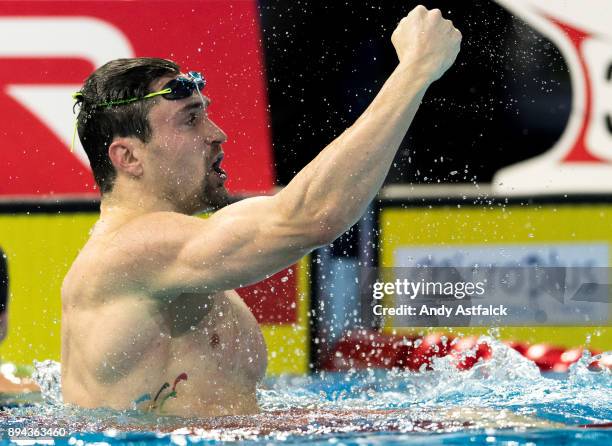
{"points": [[505, 392], [506, 380]]}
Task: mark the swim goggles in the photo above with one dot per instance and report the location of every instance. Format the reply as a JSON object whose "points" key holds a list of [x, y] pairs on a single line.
{"points": [[179, 88]]}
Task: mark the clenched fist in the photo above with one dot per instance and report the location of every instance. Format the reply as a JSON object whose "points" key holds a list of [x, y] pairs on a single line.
{"points": [[426, 40]]}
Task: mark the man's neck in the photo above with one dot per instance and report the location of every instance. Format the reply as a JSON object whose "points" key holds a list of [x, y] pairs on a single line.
{"points": [[112, 206], [127, 203], [115, 213]]}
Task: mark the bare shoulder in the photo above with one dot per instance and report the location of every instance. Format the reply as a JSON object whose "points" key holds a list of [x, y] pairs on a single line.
{"points": [[151, 235], [119, 261], [156, 232], [164, 254]]}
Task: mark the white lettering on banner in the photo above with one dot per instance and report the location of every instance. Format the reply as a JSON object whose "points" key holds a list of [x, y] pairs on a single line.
{"points": [[528, 280], [581, 160], [543, 255], [88, 38], [599, 137]]}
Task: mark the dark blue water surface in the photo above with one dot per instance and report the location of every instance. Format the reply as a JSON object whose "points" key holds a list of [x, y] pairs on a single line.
{"points": [[505, 400]]}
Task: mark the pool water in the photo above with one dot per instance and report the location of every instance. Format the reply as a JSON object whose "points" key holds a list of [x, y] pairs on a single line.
{"points": [[505, 400]]}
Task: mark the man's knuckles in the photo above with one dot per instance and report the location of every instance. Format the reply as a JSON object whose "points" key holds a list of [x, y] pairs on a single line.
{"points": [[419, 9]]}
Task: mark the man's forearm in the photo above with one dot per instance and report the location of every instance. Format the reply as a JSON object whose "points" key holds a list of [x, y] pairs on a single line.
{"points": [[336, 187]]}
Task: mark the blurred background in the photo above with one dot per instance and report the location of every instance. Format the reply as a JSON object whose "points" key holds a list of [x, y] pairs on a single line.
{"points": [[532, 85], [507, 98]]}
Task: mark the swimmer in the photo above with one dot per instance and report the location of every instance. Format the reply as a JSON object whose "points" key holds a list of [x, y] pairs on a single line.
{"points": [[149, 317]]}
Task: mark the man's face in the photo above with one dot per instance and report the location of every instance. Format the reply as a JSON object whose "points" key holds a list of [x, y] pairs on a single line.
{"points": [[184, 153]]}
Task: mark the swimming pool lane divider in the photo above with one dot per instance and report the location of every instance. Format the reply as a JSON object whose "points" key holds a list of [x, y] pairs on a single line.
{"points": [[364, 349]]}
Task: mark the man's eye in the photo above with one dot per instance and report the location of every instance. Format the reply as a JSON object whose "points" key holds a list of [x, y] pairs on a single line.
{"points": [[192, 119]]}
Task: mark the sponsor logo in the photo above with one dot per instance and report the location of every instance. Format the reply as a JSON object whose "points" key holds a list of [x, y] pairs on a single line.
{"points": [[47, 49], [54, 37], [581, 160]]}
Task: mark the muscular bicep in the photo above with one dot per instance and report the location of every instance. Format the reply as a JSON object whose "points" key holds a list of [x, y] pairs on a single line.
{"points": [[238, 245]]}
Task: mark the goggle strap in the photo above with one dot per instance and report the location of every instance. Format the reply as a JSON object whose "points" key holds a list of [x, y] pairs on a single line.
{"points": [[78, 94], [74, 132], [127, 101], [157, 93], [199, 94]]}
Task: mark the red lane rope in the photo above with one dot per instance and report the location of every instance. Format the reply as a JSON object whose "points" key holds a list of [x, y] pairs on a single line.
{"points": [[365, 349]]}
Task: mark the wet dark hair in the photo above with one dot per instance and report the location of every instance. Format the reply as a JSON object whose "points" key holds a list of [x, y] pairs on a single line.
{"points": [[99, 125]]}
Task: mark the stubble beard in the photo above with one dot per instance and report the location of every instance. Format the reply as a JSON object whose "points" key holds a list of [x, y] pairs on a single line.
{"points": [[212, 197]]}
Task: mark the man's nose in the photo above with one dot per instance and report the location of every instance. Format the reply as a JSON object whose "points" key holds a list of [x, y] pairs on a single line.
{"points": [[215, 134]]}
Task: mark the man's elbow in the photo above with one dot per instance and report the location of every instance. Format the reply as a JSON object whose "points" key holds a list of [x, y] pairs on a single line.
{"points": [[315, 229], [323, 233]]}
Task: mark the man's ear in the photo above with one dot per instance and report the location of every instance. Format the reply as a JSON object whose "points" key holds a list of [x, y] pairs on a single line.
{"points": [[124, 156]]}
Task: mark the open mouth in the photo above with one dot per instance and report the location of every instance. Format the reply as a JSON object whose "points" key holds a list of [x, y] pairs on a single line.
{"points": [[217, 167]]}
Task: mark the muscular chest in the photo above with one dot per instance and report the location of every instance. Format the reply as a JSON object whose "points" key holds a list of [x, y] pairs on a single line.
{"points": [[194, 334], [217, 332]]}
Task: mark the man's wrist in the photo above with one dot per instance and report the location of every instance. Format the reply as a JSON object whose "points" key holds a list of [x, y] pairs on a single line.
{"points": [[416, 72]]}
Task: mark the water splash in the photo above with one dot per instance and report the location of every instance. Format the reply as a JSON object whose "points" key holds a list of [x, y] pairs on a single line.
{"points": [[48, 376], [505, 392], [506, 381]]}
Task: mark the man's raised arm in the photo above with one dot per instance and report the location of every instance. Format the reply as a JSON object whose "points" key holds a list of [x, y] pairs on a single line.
{"points": [[246, 241], [334, 190]]}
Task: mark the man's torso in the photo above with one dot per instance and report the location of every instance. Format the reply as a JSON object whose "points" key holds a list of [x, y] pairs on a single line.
{"points": [[119, 349]]}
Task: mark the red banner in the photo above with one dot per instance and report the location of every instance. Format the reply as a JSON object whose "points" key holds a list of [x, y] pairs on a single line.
{"points": [[49, 48]]}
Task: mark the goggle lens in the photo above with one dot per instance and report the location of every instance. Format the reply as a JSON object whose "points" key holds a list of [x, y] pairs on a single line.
{"points": [[183, 87]]}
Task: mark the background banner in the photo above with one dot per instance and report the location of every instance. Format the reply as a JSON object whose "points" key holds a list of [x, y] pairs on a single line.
{"points": [[47, 49]]}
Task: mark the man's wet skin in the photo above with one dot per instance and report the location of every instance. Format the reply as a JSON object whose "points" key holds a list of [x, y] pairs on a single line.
{"points": [[121, 344], [136, 344], [147, 319]]}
